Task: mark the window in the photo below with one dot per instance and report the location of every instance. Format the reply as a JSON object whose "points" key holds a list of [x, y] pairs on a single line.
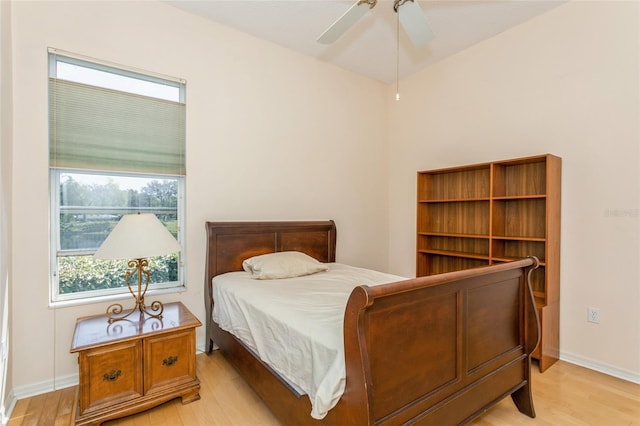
{"points": [[116, 145]]}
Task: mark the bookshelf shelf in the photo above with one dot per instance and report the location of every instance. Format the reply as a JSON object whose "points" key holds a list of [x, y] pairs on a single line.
{"points": [[490, 213]]}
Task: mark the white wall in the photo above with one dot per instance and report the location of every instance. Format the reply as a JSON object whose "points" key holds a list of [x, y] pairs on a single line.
{"points": [[275, 135], [6, 141], [566, 83], [271, 135]]}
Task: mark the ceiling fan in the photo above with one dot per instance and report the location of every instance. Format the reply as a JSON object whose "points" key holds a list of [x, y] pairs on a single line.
{"points": [[410, 16]]}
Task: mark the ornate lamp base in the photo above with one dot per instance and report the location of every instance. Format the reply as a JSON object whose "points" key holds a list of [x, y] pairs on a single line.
{"points": [[115, 311]]}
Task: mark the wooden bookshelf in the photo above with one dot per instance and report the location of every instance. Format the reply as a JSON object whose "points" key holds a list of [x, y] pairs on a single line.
{"points": [[496, 212]]}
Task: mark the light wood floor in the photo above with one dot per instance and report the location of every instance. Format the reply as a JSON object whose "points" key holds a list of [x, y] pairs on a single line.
{"points": [[564, 395]]}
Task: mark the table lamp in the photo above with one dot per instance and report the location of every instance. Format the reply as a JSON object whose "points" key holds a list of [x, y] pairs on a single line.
{"points": [[137, 237]]}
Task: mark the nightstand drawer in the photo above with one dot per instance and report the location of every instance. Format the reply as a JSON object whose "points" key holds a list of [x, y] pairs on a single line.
{"points": [[132, 365], [169, 360], [110, 375]]}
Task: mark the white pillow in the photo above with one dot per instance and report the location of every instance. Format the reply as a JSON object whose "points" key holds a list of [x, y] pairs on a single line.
{"points": [[286, 264]]}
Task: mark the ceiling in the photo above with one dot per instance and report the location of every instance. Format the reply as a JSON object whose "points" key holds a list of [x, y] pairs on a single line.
{"points": [[369, 47]]}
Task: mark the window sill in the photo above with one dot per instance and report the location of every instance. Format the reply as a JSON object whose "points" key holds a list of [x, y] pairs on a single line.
{"points": [[90, 300]]}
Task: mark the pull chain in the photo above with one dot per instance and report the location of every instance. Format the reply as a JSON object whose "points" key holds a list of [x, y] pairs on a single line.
{"points": [[397, 55]]}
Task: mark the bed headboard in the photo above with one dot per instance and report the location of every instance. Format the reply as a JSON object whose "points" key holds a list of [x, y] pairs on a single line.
{"points": [[229, 243]]}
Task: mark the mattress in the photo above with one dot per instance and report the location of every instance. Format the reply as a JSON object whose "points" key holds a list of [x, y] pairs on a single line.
{"points": [[295, 325]]}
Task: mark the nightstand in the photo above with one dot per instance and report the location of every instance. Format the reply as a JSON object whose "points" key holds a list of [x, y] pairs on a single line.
{"points": [[134, 364]]}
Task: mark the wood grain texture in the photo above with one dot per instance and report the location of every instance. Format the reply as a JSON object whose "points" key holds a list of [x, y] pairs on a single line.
{"points": [[400, 324], [131, 365], [515, 205], [565, 394]]}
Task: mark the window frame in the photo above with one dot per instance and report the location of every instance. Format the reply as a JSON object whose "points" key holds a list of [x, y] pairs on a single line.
{"points": [[73, 59], [93, 296]]}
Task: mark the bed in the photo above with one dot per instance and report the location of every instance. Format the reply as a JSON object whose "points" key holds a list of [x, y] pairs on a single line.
{"points": [[436, 350]]}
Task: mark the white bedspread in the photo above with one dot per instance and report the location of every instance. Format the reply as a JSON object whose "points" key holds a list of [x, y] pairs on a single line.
{"points": [[295, 324]]}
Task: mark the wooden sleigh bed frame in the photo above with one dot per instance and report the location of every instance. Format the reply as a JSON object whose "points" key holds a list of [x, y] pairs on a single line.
{"points": [[437, 350]]}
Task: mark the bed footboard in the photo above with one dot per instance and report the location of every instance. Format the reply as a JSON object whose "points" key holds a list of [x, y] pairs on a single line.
{"points": [[441, 349], [435, 350]]}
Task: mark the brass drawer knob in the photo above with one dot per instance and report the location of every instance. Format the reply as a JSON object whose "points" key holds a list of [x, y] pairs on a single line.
{"points": [[112, 375], [170, 361]]}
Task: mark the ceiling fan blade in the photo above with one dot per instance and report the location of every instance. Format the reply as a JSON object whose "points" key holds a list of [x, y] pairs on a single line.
{"points": [[415, 24], [343, 23]]}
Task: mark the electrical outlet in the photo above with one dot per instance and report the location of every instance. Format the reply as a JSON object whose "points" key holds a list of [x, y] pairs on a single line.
{"points": [[593, 315]]}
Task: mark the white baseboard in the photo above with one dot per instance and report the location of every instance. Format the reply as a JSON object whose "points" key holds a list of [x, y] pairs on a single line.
{"points": [[628, 375], [39, 388], [8, 405], [33, 389]]}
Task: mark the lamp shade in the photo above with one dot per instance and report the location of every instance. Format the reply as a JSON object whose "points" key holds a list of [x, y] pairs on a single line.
{"points": [[137, 236]]}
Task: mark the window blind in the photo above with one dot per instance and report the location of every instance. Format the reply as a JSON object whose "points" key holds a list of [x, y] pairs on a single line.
{"points": [[104, 129]]}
